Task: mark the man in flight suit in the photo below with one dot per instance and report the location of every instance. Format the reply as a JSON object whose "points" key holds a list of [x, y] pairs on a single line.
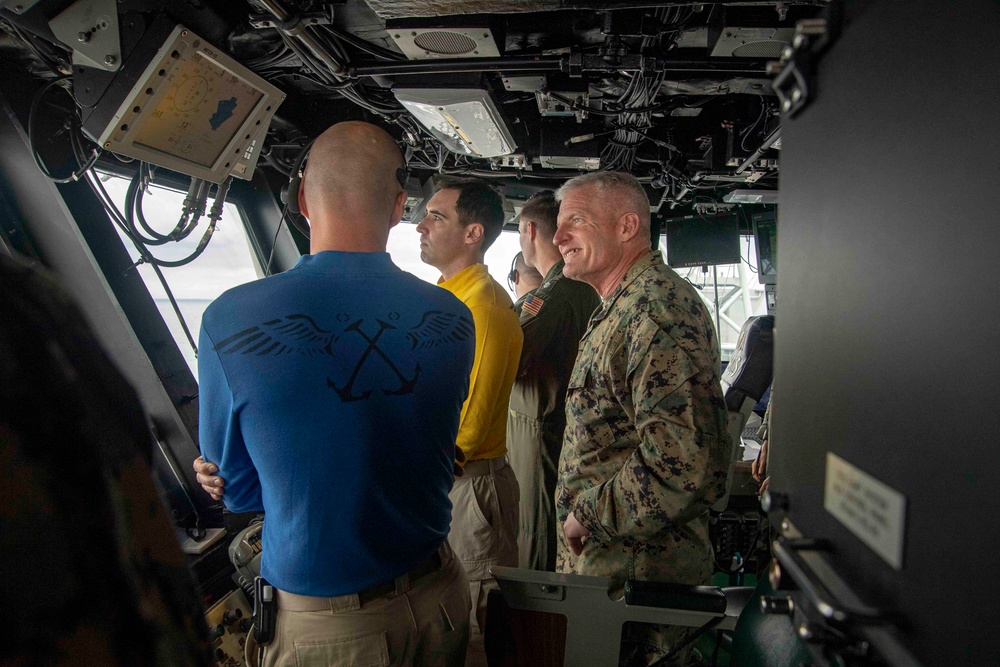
{"points": [[553, 317]]}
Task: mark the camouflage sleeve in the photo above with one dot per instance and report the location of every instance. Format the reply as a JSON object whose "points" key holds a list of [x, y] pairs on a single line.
{"points": [[677, 470]]}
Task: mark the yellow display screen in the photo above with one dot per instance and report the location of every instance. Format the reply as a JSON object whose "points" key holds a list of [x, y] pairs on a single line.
{"points": [[203, 109]]}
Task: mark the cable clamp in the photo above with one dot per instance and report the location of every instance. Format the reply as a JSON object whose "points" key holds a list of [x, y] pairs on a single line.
{"points": [[294, 23]]}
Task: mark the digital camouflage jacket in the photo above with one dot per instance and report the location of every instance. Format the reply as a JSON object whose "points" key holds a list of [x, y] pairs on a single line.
{"points": [[646, 450]]}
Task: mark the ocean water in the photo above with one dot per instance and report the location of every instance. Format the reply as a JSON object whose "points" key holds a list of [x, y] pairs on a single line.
{"points": [[191, 311]]}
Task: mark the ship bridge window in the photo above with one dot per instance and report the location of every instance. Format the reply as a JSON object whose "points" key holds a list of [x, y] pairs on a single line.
{"points": [[404, 248], [227, 259], [225, 262]]}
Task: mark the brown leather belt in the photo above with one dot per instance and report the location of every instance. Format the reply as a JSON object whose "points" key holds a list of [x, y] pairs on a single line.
{"points": [[398, 586]]}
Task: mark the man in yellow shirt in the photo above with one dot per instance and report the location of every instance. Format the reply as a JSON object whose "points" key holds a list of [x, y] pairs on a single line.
{"points": [[464, 217]]}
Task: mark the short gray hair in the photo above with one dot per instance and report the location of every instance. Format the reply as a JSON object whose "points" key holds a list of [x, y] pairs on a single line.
{"points": [[623, 184]]}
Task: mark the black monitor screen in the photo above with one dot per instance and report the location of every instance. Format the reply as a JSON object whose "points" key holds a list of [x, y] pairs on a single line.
{"points": [[702, 240], [765, 234]]}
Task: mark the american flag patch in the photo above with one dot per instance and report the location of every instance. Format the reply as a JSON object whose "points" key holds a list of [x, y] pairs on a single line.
{"points": [[533, 304]]}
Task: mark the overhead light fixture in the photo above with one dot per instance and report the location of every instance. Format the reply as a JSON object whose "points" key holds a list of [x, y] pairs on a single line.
{"points": [[466, 120], [751, 197]]}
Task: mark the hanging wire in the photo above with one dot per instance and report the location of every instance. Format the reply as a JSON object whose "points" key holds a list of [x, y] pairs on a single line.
{"points": [[54, 56], [86, 171], [335, 42], [118, 219], [636, 103], [189, 219], [71, 126], [362, 45], [749, 131]]}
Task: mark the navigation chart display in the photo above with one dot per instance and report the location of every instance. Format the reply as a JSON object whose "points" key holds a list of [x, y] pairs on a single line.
{"points": [[189, 107], [203, 110]]}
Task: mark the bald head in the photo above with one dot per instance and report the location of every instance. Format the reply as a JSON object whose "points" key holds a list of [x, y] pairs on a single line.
{"points": [[349, 191]]}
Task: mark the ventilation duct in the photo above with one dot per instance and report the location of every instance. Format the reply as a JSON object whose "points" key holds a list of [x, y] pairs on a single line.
{"points": [[444, 42], [752, 42]]}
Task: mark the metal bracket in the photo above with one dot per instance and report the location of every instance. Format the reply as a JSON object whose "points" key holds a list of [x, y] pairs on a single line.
{"points": [[831, 619], [296, 25], [90, 28], [795, 73], [303, 20], [18, 6], [514, 161], [593, 619], [549, 106]]}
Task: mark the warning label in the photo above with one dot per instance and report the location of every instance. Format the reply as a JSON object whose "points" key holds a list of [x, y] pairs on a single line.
{"points": [[874, 512]]}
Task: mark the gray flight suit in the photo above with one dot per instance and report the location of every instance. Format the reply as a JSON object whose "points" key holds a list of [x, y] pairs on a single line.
{"points": [[553, 322]]}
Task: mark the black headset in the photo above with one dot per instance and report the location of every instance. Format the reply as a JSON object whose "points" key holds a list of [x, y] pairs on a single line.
{"points": [[403, 175], [512, 276], [290, 193]]}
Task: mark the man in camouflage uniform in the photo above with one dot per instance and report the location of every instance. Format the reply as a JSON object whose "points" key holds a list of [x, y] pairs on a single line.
{"points": [[646, 450], [90, 568], [553, 317]]}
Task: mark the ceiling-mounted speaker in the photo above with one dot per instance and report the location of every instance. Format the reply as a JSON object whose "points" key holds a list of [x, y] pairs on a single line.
{"points": [[422, 43], [752, 42]]}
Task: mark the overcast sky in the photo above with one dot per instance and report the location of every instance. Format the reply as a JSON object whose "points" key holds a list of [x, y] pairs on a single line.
{"points": [[226, 261]]}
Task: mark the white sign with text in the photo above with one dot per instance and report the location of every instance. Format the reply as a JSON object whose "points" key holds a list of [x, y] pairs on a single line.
{"points": [[873, 511]]}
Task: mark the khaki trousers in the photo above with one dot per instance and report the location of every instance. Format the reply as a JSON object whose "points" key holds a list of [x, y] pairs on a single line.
{"points": [[427, 625], [483, 533]]}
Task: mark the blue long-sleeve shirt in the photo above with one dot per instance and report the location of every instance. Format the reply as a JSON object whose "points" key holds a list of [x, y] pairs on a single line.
{"points": [[330, 399]]}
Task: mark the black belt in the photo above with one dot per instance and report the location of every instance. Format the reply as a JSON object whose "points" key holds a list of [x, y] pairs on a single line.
{"points": [[401, 584]]}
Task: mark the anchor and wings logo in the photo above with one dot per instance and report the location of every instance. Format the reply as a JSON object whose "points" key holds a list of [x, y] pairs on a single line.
{"points": [[301, 334]]}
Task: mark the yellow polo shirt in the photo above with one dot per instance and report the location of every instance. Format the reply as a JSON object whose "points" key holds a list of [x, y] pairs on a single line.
{"points": [[482, 432]]}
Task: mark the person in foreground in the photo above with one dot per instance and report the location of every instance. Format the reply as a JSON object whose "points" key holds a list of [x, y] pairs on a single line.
{"points": [[330, 400], [464, 217], [646, 451], [553, 317]]}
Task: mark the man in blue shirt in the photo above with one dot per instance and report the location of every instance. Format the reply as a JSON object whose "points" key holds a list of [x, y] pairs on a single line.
{"points": [[330, 399]]}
